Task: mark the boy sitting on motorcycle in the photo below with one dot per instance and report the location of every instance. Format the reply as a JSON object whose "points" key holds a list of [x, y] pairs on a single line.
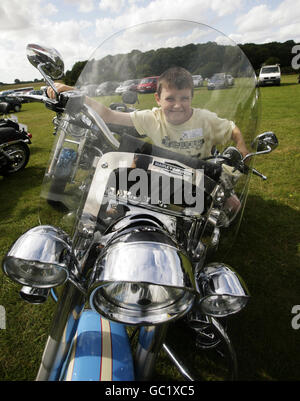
{"points": [[175, 125]]}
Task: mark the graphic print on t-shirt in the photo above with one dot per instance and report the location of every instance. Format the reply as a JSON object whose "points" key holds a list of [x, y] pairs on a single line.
{"points": [[192, 139]]}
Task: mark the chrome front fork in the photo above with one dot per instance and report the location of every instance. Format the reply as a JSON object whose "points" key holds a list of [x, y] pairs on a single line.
{"points": [[151, 339], [69, 308]]}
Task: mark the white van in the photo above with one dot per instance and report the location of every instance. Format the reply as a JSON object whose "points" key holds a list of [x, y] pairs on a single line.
{"points": [[197, 80], [269, 75]]}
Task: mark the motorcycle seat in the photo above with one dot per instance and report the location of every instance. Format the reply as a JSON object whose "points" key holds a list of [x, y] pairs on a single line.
{"points": [[8, 134], [8, 123]]}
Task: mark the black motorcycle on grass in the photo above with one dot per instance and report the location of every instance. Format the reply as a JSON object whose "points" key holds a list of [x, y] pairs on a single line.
{"points": [[14, 141]]}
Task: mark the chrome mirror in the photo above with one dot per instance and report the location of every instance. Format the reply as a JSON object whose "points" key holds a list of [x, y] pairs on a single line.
{"points": [[47, 61], [265, 142]]}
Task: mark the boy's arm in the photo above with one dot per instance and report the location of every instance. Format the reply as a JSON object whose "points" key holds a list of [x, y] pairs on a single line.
{"points": [[108, 115], [237, 137]]}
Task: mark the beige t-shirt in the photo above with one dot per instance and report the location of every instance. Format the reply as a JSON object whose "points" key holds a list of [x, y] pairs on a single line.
{"points": [[196, 136]]}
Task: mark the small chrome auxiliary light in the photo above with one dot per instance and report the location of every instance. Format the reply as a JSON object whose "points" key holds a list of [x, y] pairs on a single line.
{"points": [[223, 291], [34, 295], [39, 258], [142, 278]]}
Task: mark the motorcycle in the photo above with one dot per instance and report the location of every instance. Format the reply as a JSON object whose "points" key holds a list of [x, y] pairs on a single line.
{"points": [[129, 229], [14, 141]]}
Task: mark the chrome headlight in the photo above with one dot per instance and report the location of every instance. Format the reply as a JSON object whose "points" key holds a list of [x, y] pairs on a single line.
{"points": [[39, 258], [139, 281], [224, 293]]}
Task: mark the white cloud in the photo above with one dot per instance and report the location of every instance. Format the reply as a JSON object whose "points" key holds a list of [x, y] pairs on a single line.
{"points": [[85, 6], [50, 9], [114, 6], [27, 24], [263, 24], [59, 24], [15, 15], [254, 20], [137, 12], [286, 13], [225, 7], [155, 10]]}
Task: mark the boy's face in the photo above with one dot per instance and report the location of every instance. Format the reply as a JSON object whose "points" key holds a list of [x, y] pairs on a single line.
{"points": [[175, 104]]}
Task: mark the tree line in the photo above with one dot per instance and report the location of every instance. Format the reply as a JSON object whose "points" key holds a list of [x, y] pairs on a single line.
{"points": [[204, 59]]}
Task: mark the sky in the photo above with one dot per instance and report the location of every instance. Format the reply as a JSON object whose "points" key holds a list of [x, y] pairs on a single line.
{"points": [[77, 27]]}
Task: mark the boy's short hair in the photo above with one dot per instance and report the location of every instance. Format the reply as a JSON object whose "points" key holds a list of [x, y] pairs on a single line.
{"points": [[175, 77]]}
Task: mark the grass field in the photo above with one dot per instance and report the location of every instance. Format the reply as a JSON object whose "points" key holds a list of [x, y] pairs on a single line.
{"points": [[266, 252]]}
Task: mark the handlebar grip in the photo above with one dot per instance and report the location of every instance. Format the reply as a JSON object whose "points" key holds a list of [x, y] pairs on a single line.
{"points": [[74, 99], [254, 171]]}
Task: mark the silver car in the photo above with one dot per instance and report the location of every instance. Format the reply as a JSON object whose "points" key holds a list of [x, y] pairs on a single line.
{"points": [[129, 85], [218, 81]]}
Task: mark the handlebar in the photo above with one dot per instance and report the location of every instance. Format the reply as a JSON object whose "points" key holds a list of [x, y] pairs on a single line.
{"points": [[94, 116], [38, 98], [77, 99]]}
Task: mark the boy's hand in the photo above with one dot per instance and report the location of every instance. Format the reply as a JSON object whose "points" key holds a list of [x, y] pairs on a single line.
{"points": [[60, 88]]}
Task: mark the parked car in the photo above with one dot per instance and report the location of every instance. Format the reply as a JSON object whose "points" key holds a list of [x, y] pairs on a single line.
{"points": [[129, 85], [14, 103], [36, 92], [148, 85], [230, 80], [32, 92], [218, 81], [269, 75], [21, 95], [8, 92], [89, 90], [107, 88], [197, 80]]}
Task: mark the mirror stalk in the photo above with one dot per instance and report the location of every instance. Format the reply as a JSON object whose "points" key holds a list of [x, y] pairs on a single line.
{"points": [[268, 150], [48, 80]]}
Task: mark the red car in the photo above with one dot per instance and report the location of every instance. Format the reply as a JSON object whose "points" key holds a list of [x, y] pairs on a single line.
{"points": [[148, 84]]}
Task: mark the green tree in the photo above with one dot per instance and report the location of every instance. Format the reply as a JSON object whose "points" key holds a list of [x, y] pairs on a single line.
{"points": [[71, 77], [272, 60]]}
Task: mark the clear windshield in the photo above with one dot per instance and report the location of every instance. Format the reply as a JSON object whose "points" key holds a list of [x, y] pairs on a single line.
{"points": [[81, 178]]}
